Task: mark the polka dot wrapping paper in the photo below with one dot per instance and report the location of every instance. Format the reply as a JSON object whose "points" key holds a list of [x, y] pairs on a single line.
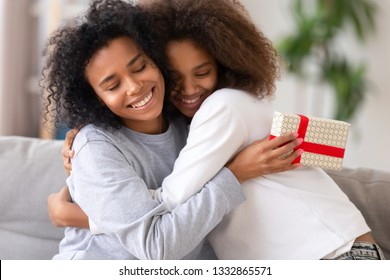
{"points": [[324, 140]]}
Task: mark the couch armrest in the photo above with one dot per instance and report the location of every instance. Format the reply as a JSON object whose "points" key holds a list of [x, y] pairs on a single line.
{"points": [[31, 169], [369, 190]]}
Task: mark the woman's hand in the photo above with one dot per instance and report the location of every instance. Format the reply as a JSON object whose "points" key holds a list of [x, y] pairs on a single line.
{"points": [[266, 157], [64, 213], [67, 152]]}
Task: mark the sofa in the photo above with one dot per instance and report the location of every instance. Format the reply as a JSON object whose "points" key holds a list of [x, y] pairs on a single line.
{"points": [[32, 168]]}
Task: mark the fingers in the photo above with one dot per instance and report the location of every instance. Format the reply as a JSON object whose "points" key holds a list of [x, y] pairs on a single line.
{"points": [[269, 156], [69, 137], [276, 148], [289, 158], [66, 156], [68, 166], [276, 142], [283, 139], [285, 152], [288, 148], [67, 153], [285, 144]]}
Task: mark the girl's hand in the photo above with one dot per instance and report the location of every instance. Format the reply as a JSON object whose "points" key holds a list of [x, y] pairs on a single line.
{"points": [[266, 157], [67, 152], [64, 213]]}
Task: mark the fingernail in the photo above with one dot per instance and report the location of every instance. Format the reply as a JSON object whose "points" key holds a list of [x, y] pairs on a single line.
{"points": [[300, 151], [296, 134], [300, 140]]}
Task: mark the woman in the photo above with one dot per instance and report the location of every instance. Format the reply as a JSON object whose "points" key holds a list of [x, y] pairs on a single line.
{"points": [[304, 201], [290, 215], [101, 71]]}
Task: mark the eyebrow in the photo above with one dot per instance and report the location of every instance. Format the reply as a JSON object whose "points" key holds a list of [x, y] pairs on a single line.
{"points": [[130, 63]]}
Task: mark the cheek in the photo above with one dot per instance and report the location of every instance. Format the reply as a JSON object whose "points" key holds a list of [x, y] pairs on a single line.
{"points": [[211, 83], [162, 82], [100, 98], [158, 77]]}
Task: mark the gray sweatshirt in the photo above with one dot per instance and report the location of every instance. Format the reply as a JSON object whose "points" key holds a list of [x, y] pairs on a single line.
{"points": [[113, 178]]}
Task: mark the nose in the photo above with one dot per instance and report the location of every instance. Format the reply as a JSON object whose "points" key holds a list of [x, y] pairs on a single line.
{"points": [[188, 87], [133, 86]]}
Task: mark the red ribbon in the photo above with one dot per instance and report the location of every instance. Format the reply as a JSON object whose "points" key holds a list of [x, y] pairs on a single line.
{"points": [[313, 147]]}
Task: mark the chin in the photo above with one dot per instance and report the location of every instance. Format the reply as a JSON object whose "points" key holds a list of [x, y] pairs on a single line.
{"points": [[187, 113]]}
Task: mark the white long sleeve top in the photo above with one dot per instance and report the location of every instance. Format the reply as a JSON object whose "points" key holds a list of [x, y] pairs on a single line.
{"points": [[298, 214]]}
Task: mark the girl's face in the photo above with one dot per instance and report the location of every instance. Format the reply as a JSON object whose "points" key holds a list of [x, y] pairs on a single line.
{"points": [[128, 83], [194, 71]]}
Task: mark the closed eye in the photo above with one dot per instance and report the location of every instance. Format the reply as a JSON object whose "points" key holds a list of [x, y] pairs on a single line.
{"points": [[112, 88], [203, 74], [141, 68]]}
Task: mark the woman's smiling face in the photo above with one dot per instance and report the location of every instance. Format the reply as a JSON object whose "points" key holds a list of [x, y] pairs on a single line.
{"points": [[128, 82], [194, 72]]}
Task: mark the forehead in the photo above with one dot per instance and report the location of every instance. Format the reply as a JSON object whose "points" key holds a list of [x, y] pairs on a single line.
{"points": [[118, 47], [117, 53], [186, 53]]}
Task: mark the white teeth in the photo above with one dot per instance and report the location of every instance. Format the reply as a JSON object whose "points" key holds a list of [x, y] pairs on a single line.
{"points": [[143, 102], [190, 101]]}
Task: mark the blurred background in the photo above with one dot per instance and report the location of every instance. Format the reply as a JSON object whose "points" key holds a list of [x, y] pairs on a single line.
{"points": [[335, 58]]}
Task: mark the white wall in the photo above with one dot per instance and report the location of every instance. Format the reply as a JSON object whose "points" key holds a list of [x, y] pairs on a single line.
{"points": [[24, 27], [16, 47], [2, 28], [368, 144]]}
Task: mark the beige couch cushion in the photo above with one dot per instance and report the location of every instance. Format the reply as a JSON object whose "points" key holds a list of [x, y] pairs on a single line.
{"points": [[369, 189], [31, 169]]}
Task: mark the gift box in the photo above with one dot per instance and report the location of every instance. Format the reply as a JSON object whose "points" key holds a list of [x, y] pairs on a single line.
{"points": [[324, 140]]}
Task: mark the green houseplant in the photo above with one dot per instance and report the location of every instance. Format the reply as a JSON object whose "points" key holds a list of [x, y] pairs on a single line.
{"points": [[318, 23]]}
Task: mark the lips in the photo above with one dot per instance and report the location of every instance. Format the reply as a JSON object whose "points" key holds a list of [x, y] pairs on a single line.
{"points": [[143, 102], [190, 100]]}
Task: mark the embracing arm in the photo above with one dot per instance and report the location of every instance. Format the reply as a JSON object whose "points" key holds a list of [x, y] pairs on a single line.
{"points": [[266, 156], [63, 212], [260, 158], [218, 131], [113, 195]]}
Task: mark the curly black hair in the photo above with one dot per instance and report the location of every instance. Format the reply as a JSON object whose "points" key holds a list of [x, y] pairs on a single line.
{"points": [[70, 98], [246, 59]]}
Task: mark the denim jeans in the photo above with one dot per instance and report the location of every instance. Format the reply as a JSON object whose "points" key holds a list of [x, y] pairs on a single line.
{"points": [[363, 251]]}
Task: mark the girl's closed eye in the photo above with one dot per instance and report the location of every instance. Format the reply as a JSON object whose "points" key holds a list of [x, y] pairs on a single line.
{"points": [[203, 74], [141, 67], [113, 87]]}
